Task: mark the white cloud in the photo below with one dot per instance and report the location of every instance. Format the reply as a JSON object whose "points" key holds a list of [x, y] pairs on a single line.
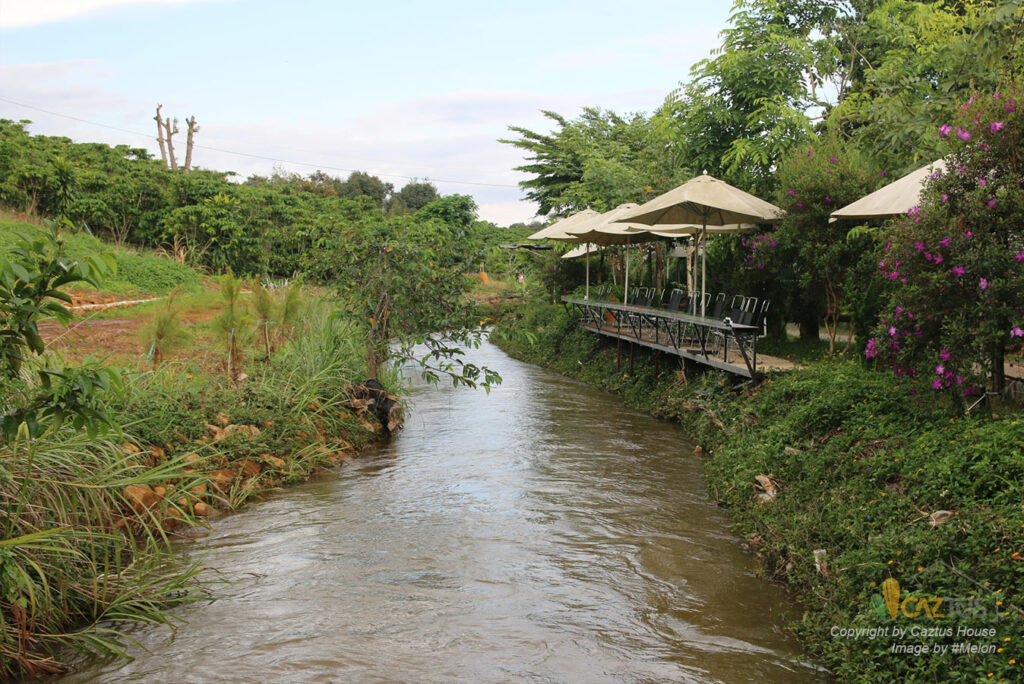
{"points": [[23, 13]]}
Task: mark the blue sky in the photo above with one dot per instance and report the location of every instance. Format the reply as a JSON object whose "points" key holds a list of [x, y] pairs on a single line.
{"points": [[401, 89]]}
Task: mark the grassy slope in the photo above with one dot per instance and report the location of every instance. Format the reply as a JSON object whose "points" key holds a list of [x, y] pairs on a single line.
{"points": [[137, 272], [859, 463]]}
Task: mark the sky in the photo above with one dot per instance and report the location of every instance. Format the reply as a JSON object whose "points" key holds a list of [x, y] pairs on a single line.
{"points": [[400, 89]]}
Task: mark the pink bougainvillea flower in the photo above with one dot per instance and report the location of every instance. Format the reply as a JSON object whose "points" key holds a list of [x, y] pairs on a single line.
{"points": [[997, 126], [991, 204], [928, 256], [983, 283], [945, 355], [791, 192], [963, 134], [919, 246], [871, 351], [945, 129], [799, 204], [938, 259], [913, 211], [944, 242], [1010, 106], [958, 271], [982, 182], [1017, 332], [995, 95], [936, 384], [892, 331], [940, 369], [1019, 257], [945, 198], [968, 234]]}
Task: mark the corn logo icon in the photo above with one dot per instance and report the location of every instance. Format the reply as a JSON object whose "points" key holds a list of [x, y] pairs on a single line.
{"points": [[891, 594]]}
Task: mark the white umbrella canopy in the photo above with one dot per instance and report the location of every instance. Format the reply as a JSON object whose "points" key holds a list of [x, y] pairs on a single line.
{"points": [[705, 201], [894, 199], [603, 230], [582, 250], [556, 231]]}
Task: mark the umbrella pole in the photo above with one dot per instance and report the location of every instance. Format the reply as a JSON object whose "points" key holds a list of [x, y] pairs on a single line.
{"points": [[587, 295], [703, 266], [625, 294]]}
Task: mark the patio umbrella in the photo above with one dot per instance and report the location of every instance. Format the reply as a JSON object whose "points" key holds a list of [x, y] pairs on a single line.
{"points": [[603, 230], [894, 199], [582, 250], [556, 231], [705, 201]]}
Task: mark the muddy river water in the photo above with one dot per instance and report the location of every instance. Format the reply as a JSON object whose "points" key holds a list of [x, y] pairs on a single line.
{"points": [[542, 533]]}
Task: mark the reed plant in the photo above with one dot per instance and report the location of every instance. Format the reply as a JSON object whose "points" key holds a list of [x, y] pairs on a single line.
{"points": [[72, 569]]}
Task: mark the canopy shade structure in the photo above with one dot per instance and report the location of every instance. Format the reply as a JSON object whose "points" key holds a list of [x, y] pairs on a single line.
{"points": [[582, 250], [894, 199], [706, 201], [556, 231]]}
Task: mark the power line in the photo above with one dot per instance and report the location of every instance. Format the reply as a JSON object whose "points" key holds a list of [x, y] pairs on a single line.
{"points": [[256, 156]]}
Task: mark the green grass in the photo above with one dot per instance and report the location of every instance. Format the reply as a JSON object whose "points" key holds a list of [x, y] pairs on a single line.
{"points": [[136, 272]]}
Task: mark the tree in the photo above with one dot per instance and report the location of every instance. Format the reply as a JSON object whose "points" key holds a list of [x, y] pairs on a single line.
{"points": [[414, 196], [47, 395], [361, 184], [955, 264], [814, 182], [599, 160]]}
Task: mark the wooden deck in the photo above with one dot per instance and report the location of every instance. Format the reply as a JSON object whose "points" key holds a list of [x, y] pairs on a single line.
{"points": [[712, 342]]}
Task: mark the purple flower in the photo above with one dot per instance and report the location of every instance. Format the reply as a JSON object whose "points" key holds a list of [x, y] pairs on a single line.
{"points": [[919, 246], [881, 174], [938, 259], [963, 134], [828, 200], [913, 211], [791, 192], [991, 204], [982, 182], [871, 351], [945, 198], [928, 256], [936, 384], [996, 126], [958, 271], [1010, 106], [810, 152], [940, 369], [1017, 332], [1019, 257], [799, 204], [833, 160], [945, 129], [945, 355], [983, 282], [968, 234], [892, 331], [944, 242]]}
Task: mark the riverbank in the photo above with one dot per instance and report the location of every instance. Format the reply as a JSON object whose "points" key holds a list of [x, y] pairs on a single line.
{"points": [[87, 519], [839, 478]]}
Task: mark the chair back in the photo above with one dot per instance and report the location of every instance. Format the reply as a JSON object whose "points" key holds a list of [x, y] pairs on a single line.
{"points": [[675, 299]]}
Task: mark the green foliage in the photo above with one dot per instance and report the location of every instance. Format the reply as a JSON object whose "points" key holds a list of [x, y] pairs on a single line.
{"points": [[38, 394], [954, 264], [815, 252], [233, 323], [165, 332], [599, 160]]}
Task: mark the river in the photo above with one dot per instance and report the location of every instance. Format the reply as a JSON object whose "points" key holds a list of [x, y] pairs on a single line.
{"points": [[542, 533]]}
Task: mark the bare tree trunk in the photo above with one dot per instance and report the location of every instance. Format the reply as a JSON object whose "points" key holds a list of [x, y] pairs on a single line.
{"points": [[169, 133], [192, 130], [160, 134]]}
